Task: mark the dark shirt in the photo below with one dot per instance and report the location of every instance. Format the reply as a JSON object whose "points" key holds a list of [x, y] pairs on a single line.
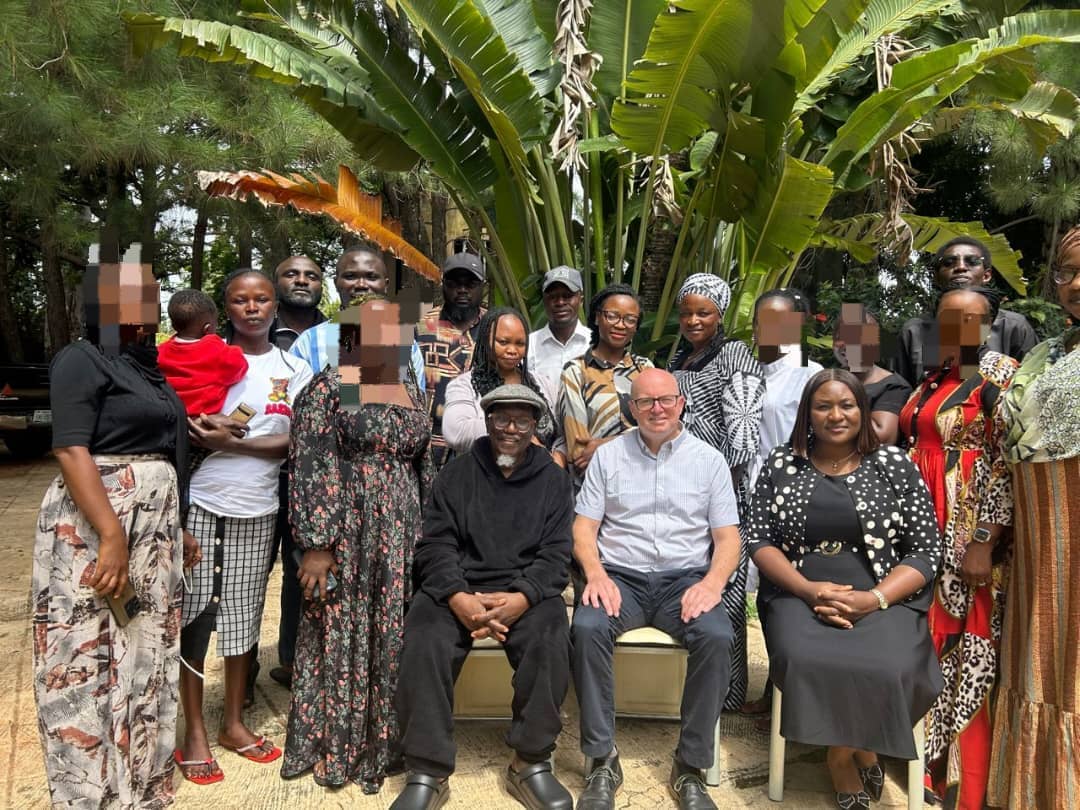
{"points": [[284, 337], [1010, 334], [116, 406], [888, 394], [484, 532]]}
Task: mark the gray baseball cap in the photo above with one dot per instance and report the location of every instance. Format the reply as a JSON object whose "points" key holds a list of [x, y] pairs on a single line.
{"points": [[465, 261], [513, 395], [563, 275]]}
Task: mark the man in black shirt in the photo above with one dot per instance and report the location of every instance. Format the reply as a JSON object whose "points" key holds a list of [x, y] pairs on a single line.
{"points": [[493, 561], [299, 283], [961, 262]]}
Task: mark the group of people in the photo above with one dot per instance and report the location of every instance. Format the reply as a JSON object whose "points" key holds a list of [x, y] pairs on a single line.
{"points": [[909, 532]]}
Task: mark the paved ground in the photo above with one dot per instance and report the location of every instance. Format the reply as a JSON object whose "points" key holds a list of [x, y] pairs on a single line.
{"points": [[645, 746]]}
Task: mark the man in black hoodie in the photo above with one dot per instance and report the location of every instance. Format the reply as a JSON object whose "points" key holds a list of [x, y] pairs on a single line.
{"points": [[493, 561]]}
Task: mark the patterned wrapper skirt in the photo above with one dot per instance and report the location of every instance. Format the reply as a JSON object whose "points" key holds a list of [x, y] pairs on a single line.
{"points": [[228, 587], [1036, 752], [106, 695]]}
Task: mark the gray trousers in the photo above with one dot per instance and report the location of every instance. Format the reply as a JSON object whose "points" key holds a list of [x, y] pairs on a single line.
{"points": [[652, 600]]}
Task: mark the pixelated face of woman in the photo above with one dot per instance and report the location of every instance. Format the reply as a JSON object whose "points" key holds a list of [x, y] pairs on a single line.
{"points": [[122, 305]]}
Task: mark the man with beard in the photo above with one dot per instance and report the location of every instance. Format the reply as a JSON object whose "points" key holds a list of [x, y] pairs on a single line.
{"points": [[447, 335], [959, 263], [564, 337], [493, 561], [299, 283]]}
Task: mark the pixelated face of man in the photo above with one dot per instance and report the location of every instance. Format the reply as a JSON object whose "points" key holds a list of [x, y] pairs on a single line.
{"points": [[122, 305], [856, 343]]}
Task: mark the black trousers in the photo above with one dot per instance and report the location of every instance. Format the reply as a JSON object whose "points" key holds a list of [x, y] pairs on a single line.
{"points": [[653, 600], [436, 645], [291, 593]]}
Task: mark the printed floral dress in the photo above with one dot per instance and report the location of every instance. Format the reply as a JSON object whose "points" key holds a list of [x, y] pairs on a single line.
{"points": [[955, 441], [356, 486]]}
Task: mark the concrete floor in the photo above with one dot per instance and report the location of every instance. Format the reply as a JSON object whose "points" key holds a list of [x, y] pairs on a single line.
{"points": [[645, 746]]}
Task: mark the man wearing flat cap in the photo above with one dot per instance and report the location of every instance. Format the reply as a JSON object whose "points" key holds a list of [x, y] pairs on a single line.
{"points": [[446, 336], [563, 338], [493, 561]]}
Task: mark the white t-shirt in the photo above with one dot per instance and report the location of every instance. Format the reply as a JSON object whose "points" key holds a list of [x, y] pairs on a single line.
{"points": [[240, 486]]}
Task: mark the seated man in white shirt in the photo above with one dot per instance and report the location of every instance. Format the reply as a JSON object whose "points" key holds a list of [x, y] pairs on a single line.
{"points": [[564, 337], [657, 538]]}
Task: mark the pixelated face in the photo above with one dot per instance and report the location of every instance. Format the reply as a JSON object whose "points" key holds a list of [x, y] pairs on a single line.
{"points": [[1069, 293], [856, 344], [961, 266], [299, 282], [375, 347], [777, 328], [561, 304], [122, 305], [962, 326]]}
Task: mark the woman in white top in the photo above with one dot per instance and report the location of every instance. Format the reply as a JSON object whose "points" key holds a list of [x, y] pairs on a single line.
{"points": [[234, 504], [500, 358]]}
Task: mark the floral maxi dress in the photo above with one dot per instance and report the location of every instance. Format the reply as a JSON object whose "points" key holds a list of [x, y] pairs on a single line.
{"points": [[356, 487]]}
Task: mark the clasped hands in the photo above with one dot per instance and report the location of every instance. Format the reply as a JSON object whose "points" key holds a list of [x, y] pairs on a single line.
{"points": [[488, 614], [215, 431], [838, 605]]}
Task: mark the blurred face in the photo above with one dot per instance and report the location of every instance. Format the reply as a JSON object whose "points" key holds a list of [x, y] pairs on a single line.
{"points": [[360, 273], [299, 281], [963, 321], [561, 305], [835, 416], [372, 350], [1069, 292], [250, 305], [698, 319], [856, 344], [462, 289], [618, 320], [121, 305], [509, 344], [656, 404], [961, 266], [511, 429], [777, 328]]}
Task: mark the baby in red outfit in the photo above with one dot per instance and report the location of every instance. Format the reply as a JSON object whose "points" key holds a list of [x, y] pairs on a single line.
{"points": [[196, 362]]}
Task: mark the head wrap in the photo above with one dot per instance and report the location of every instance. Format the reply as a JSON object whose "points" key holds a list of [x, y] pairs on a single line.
{"points": [[708, 286]]}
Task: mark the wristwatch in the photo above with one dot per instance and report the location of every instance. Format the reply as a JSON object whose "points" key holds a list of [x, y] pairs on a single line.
{"points": [[883, 603], [981, 535]]}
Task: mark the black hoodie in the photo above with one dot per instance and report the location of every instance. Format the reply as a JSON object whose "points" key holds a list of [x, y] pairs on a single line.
{"points": [[484, 532]]}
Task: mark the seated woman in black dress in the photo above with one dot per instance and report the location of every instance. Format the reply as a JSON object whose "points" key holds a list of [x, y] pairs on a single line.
{"points": [[844, 530]]}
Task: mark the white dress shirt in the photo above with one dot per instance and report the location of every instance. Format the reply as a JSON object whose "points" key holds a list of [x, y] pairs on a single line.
{"points": [[547, 356]]}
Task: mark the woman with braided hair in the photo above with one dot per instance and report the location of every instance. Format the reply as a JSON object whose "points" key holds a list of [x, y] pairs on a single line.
{"points": [[500, 358]]}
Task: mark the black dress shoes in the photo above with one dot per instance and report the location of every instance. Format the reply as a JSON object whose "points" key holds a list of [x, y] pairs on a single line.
{"points": [[536, 787], [853, 801], [689, 788], [602, 782], [422, 792], [873, 781]]}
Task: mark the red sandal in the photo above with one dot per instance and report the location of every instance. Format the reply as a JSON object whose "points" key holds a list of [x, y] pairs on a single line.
{"points": [[187, 765], [256, 751]]}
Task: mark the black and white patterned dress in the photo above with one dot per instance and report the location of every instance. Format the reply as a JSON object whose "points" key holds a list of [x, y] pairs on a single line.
{"points": [[725, 392]]}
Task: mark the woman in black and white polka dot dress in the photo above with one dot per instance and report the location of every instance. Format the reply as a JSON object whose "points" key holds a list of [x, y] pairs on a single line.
{"points": [[844, 532]]}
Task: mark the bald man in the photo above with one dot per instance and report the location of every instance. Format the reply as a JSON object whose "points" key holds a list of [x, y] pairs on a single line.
{"points": [[657, 539]]}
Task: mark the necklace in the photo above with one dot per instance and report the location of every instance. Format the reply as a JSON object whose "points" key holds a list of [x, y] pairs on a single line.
{"points": [[836, 465]]}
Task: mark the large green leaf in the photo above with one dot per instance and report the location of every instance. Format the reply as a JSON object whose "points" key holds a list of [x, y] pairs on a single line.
{"points": [[518, 27], [488, 68], [333, 88], [929, 234], [619, 31], [817, 32], [921, 84], [696, 52], [880, 17]]}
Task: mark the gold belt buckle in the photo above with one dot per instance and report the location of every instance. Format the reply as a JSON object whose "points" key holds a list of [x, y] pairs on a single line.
{"points": [[830, 548]]}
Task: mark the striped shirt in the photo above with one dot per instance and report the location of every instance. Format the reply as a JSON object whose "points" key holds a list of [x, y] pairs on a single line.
{"points": [[656, 512]]}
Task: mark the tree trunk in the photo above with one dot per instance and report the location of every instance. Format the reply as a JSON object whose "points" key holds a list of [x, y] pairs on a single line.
{"points": [[148, 215], [277, 240], [9, 331], [438, 228], [56, 314], [659, 251], [243, 242], [198, 245], [111, 230]]}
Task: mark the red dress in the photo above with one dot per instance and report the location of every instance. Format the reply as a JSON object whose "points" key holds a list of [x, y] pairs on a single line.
{"points": [[954, 437]]}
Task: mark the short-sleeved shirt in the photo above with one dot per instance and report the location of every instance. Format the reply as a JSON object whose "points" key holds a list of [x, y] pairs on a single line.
{"points": [[657, 512], [242, 486], [888, 394]]}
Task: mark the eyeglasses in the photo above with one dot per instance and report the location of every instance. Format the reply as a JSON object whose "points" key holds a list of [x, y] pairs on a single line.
{"points": [[1064, 274], [969, 260], [501, 421], [646, 403], [612, 318]]}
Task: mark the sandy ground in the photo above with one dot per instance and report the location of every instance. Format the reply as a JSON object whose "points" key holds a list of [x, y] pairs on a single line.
{"points": [[645, 745]]}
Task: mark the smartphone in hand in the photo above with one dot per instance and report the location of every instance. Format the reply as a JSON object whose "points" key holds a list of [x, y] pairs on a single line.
{"points": [[331, 580], [124, 607]]}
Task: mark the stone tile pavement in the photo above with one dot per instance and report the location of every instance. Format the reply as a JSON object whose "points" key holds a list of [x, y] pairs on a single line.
{"points": [[645, 745]]}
